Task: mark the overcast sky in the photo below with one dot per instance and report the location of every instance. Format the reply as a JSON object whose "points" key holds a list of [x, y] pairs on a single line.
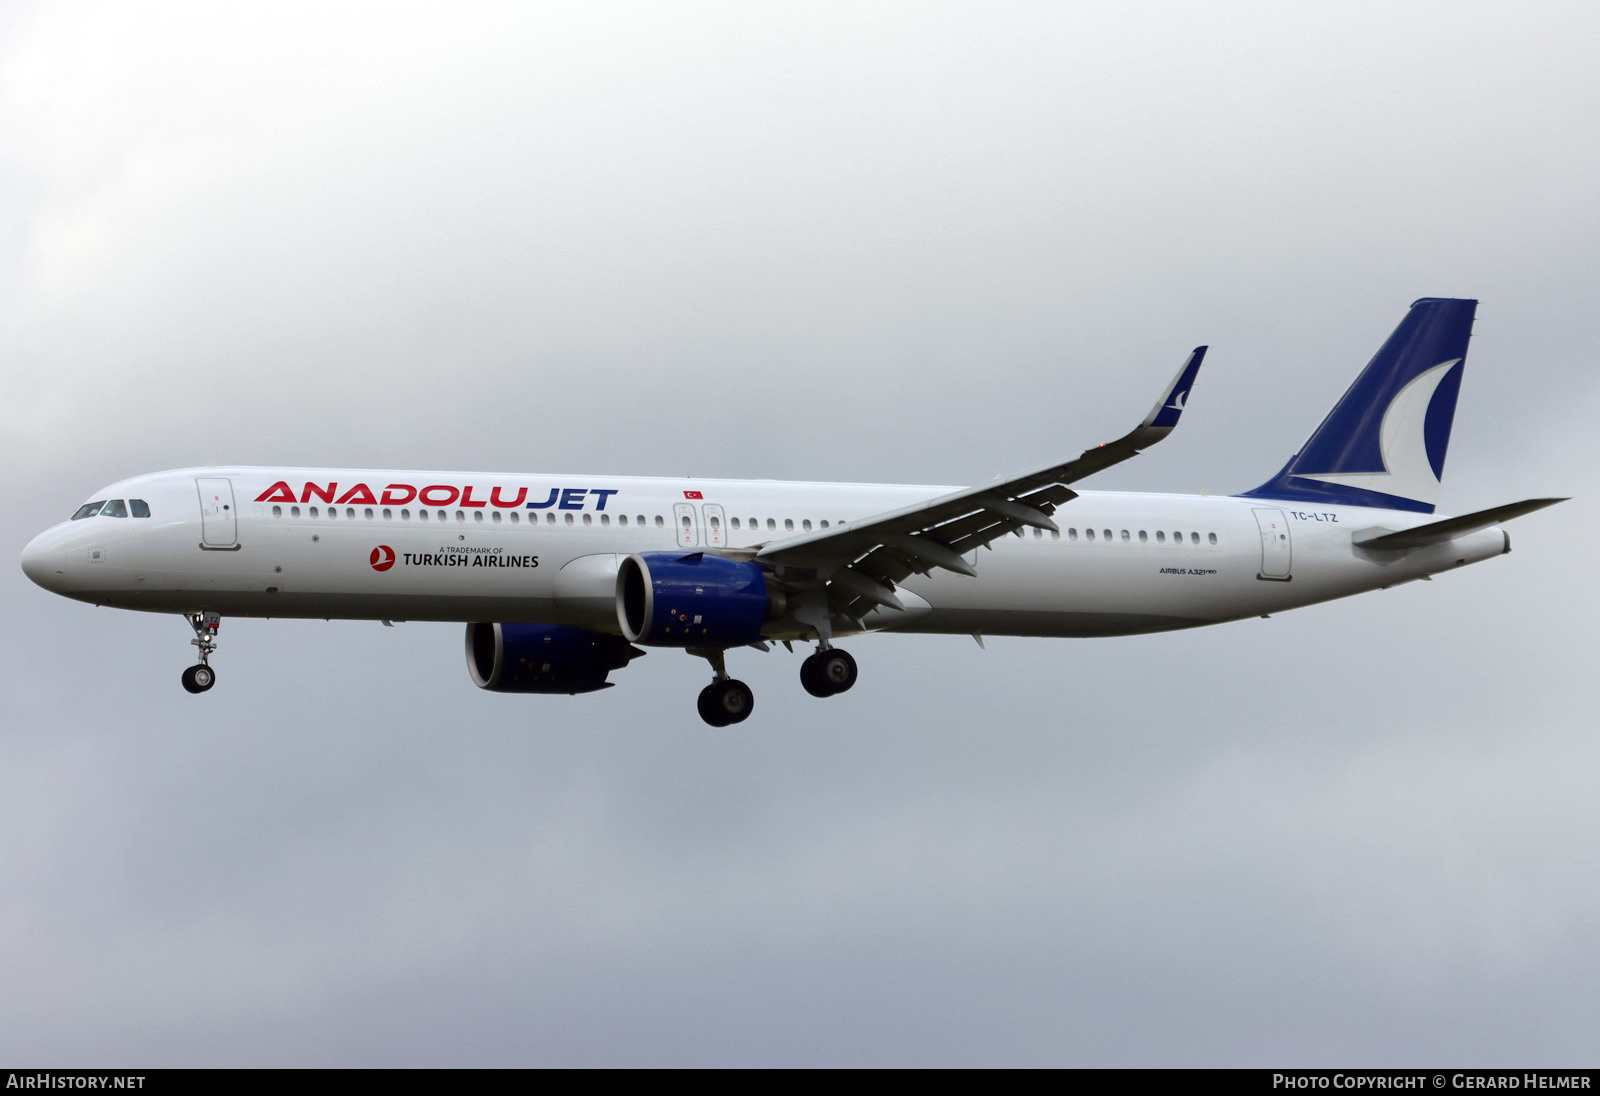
{"points": [[907, 243]]}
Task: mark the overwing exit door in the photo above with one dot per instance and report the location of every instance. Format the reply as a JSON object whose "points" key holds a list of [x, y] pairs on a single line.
{"points": [[688, 528], [716, 530]]}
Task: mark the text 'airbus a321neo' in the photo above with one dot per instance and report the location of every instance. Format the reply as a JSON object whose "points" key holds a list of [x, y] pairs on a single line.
{"points": [[563, 579]]}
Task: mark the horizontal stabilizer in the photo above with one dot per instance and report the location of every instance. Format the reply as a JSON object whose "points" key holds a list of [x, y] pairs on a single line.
{"points": [[1437, 531]]}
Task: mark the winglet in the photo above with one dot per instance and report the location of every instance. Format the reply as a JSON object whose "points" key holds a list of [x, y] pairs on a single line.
{"points": [[1164, 415]]}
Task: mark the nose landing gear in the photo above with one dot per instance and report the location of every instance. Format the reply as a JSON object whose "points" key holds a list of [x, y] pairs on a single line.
{"points": [[200, 677], [828, 672]]}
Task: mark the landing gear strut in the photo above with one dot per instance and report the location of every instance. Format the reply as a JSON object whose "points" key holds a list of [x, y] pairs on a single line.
{"points": [[724, 701], [828, 672], [200, 677]]}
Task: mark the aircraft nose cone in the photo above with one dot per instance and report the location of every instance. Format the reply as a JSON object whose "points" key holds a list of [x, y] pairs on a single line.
{"points": [[41, 561]]}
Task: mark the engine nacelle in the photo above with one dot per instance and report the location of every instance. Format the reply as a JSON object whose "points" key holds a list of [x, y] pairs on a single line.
{"points": [[676, 599], [543, 658]]}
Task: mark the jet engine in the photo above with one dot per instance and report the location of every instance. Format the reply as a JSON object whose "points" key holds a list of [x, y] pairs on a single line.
{"points": [[543, 658], [671, 599]]}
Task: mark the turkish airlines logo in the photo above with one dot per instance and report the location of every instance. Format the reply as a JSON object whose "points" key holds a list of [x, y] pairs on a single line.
{"points": [[382, 558], [693, 495]]}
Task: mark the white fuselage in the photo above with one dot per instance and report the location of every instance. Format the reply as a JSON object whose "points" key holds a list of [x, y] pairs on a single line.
{"points": [[451, 546]]}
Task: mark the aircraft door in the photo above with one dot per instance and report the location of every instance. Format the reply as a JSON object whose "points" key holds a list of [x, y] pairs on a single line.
{"points": [[218, 518], [1277, 550], [688, 529], [716, 526]]}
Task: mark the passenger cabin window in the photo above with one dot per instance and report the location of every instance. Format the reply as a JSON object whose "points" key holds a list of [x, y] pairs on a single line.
{"points": [[116, 508], [1106, 533], [141, 509], [277, 511], [1089, 533], [1212, 537], [88, 510], [1161, 538], [733, 522], [294, 511], [1072, 534], [660, 521], [1143, 536], [788, 523]]}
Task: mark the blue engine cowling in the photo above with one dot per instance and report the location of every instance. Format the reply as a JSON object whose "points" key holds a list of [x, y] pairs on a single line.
{"points": [[543, 658], [673, 599]]}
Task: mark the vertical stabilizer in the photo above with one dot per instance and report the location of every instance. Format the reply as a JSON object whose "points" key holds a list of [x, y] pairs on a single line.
{"points": [[1384, 442]]}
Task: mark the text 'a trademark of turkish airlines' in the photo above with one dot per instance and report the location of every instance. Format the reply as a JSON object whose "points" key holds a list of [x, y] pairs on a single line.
{"points": [[383, 557]]}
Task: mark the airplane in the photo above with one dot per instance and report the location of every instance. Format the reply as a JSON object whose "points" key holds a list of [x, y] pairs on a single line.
{"points": [[562, 580]]}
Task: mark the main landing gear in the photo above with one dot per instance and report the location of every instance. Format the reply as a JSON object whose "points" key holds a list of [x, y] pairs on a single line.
{"points": [[828, 672], [724, 701], [200, 677]]}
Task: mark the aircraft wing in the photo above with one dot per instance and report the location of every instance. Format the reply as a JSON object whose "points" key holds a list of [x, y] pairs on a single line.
{"points": [[859, 563]]}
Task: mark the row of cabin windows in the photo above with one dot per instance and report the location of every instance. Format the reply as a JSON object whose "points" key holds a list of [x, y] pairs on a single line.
{"points": [[1143, 535], [772, 523], [515, 518], [140, 510], [114, 508], [495, 518], [1107, 535]]}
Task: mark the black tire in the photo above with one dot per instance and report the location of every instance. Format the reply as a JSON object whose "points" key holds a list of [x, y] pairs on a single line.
{"points": [[837, 670], [197, 679], [710, 707], [811, 679], [735, 701]]}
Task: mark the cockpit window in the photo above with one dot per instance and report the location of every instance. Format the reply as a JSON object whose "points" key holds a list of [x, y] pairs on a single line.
{"points": [[88, 510], [139, 508], [116, 508]]}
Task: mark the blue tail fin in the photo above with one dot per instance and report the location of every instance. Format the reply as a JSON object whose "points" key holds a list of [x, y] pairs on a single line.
{"points": [[1383, 444]]}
